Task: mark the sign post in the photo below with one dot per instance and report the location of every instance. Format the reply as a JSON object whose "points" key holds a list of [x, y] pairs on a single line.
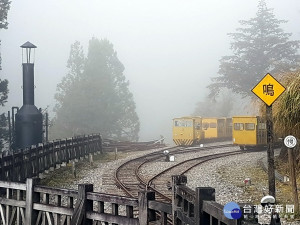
{"points": [[290, 142], [268, 90], [270, 151]]}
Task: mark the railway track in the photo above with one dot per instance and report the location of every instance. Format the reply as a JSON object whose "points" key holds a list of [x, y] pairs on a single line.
{"points": [[127, 175], [162, 180], [131, 181], [131, 176]]}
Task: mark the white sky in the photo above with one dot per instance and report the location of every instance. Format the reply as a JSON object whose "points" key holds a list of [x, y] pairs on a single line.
{"points": [[170, 49]]}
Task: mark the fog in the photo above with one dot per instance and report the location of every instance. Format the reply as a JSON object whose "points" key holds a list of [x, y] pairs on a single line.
{"points": [[170, 49]]}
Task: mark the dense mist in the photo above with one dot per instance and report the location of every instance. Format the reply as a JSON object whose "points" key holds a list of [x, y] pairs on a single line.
{"points": [[170, 49]]}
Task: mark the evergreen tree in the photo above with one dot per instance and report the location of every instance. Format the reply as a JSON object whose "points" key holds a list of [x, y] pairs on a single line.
{"points": [[4, 7], [67, 95], [259, 47], [95, 96], [3, 119]]}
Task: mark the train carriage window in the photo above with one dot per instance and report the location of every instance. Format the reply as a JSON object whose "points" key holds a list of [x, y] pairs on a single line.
{"points": [[238, 126], [179, 123], [189, 123], [212, 125], [249, 126]]}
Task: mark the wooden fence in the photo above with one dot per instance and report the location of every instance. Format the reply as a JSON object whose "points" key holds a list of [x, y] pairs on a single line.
{"points": [[29, 162], [31, 204], [196, 206]]}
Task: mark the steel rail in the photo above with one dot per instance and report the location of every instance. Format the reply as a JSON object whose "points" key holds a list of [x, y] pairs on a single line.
{"points": [[153, 156]]}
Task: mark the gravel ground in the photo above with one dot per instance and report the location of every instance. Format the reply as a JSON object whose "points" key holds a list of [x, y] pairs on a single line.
{"points": [[226, 175], [101, 174]]}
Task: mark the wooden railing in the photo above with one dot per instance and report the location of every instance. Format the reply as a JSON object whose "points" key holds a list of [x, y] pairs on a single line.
{"points": [[29, 162], [31, 204], [196, 206]]}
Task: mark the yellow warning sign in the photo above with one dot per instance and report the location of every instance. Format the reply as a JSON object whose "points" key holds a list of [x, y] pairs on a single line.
{"points": [[268, 89]]}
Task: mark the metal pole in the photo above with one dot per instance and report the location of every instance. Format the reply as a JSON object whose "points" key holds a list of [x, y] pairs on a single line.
{"points": [[46, 127], [13, 118], [13, 127], [9, 129], [293, 178], [270, 151]]}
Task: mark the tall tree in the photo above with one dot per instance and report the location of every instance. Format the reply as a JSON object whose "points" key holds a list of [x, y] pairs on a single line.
{"points": [[4, 7], [67, 93], [95, 97], [259, 47]]}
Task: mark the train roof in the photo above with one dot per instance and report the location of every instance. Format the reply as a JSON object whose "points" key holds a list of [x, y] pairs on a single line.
{"points": [[187, 117], [249, 116], [214, 117]]}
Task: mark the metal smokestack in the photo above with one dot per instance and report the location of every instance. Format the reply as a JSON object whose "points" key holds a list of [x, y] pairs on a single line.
{"points": [[28, 84], [29, 120]]}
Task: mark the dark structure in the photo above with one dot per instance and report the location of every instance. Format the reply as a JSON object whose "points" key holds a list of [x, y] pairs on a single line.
{"points": [[29, 120], [194, 207]]}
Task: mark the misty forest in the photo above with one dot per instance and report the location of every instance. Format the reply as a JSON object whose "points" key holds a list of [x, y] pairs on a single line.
{"points": [[94, 96], [149, 112], [96, 93]]}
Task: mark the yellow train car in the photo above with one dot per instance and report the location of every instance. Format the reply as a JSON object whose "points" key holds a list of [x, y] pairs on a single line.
{"points": [[249, 131], [187, 131], [214, 128]]}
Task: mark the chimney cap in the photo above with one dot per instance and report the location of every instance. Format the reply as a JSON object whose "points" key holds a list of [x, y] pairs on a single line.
{"points": [[28, 45]]}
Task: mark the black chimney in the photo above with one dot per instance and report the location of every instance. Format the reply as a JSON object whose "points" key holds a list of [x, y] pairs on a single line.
{"points": [[29, 120]]}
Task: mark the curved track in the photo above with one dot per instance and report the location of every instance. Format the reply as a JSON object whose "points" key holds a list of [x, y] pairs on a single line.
{"points": [[131, 181], [162, 180]]}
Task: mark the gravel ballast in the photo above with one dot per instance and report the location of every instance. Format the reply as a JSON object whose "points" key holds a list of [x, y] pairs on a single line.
{"points": [[226, 175]]}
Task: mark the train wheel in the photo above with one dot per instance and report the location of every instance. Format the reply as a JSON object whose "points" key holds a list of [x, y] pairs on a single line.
{"points": [[242, 147]]}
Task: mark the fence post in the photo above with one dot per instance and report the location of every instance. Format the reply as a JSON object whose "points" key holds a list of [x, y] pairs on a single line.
{"points": [[31, 197], [91, 159], [21, 167], [74, 168], [145, 215], [82, 206], [99, 144], [2, 166], [176, 181], [203, 194]]}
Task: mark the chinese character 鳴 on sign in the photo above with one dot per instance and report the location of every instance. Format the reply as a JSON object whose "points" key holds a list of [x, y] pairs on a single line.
{"points": [[268, 89]]}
